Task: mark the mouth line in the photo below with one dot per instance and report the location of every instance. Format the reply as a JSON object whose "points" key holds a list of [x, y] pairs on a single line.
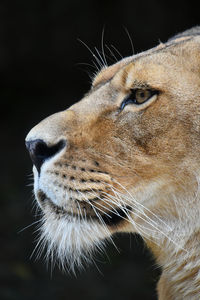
{"points": [[112, 219]]}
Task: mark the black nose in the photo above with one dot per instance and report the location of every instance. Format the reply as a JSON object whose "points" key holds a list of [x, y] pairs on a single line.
{"points": [[39, 151]]}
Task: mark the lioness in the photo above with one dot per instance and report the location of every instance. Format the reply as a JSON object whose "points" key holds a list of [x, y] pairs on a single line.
{"points": [[126, 159]]}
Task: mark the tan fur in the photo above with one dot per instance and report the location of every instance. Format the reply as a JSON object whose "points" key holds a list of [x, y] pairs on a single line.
{"points": [[149, 154]]}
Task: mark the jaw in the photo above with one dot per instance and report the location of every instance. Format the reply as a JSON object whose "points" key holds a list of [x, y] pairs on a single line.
{"points": [[72, 239], [72, 229]]}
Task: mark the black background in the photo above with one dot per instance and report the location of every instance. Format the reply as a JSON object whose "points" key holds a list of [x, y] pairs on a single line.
{"points": [[42, 71]]}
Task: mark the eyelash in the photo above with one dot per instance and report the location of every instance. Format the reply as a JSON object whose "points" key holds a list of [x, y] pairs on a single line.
{"points": [[132, 97]]}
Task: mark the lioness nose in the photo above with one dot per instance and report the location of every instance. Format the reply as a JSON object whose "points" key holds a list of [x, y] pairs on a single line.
{"points": [[39, 151]]}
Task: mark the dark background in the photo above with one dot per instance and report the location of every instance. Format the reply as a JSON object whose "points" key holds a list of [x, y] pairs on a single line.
{"points": [[41, 73]]}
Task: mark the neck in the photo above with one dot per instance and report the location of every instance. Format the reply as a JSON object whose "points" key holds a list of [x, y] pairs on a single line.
{"points": [[171, 229], [178, 253]]}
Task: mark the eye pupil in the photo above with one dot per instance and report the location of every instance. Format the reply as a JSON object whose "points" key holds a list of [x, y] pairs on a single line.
{"points": [[142, 94]]}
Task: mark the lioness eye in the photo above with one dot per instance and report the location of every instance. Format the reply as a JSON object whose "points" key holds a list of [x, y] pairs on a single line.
{"points": [[142, 95], [138, 96]]}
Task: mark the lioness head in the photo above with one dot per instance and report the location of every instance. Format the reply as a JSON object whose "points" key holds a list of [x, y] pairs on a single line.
{"points": [[126, 157]]}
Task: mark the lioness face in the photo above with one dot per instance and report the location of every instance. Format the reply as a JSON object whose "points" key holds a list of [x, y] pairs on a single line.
{"points": [[114, 161]]}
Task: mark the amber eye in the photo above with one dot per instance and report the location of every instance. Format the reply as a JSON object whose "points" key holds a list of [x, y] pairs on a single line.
{"points": [[138, 96], [142, 95]]}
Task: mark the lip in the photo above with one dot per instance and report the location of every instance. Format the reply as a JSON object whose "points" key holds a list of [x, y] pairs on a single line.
{"points": [[113, 219], [60, 211], [46, 201]]}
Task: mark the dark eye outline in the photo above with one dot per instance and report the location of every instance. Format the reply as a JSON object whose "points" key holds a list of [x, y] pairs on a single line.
{"points": [[131, 98]]}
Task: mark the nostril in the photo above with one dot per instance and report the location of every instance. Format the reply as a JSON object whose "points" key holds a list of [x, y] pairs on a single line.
{"points": [[39, 151]]}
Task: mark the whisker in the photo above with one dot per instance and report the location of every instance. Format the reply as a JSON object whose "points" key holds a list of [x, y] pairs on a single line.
{"points": [[86, 64], [141, 205], [37, 250], [139, 211], [103, 224], [129, 219], [117, 51], [80, 212], [103, 65], [117, 213], [107, 231], [112, 53], [110, 210], [30, 175], [88, 201], [130, 39], [114, 211], [28, 226], [96, 66], [96, 58], [102, 47], [150, 223]]}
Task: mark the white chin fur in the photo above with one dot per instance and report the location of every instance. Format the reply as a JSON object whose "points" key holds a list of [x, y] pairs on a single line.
{"points": [[71, 242]]}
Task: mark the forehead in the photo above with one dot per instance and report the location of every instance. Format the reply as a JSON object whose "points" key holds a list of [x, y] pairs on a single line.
{"points": [[164, 58]]}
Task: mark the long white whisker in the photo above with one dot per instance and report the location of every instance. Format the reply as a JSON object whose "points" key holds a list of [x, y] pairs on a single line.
{"points": [[111, 52], [101, 58], [80, 212], [122, 206], [130, 39], [129, 218], [99, 204], [102, 199], [141, 205], [39, 247], [154, 226], [107, 231], [137, 210], [87, 200], [103, 224], [117, 51], [96, 58], [124, 209], [28, 226], [102, 47]]}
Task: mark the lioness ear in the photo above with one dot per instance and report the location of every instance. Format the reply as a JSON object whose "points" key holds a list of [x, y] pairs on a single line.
{"points": [[186, 34]]}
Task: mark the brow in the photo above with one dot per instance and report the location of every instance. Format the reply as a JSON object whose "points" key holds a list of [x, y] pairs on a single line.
{"points": [[168, 45]]}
